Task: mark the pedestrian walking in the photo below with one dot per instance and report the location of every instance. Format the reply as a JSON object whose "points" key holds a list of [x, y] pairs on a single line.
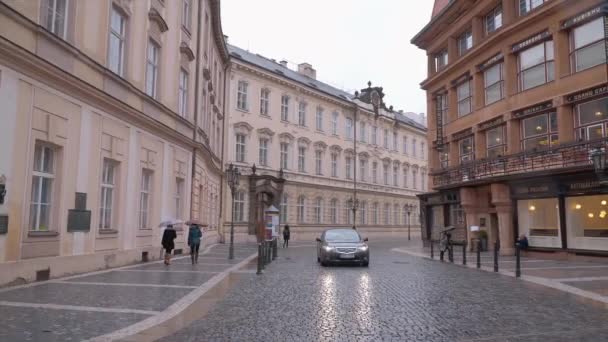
{"points": [[168, 242], [286, 236], [194, 241]]}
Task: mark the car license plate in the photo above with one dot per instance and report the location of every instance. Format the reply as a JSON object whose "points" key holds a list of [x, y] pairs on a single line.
{"points": [[347, 256]]}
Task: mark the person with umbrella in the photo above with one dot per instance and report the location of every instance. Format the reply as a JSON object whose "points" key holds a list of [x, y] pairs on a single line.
{"points": [[194, 241], [168, 241]]}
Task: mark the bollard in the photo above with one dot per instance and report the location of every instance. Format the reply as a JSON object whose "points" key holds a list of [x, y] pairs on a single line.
{"points": [[517, 261], [275, 247], [479, 254], [451, 253], [496, 256], [464, 253], [432, 252], [269, 252], [259, 259]]}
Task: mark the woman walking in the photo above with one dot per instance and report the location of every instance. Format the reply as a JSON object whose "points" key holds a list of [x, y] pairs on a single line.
{"points": [[168, 242], [286, 236], [194, 241]]}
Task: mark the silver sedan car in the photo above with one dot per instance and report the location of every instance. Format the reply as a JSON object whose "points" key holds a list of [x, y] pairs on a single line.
{"points": [[342, 246]]}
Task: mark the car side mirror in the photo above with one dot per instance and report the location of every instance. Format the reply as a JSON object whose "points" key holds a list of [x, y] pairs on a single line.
{"points": [[365, 240], [318, 239]]}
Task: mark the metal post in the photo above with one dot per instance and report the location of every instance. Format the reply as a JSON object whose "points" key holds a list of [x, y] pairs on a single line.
{"points": [[231, 248], [260, 266], [517, 261], [268, 253], [432, 251], [275, 247], [464, 253], [408, 225], [496, 256], [478, 253], [451, 252]]}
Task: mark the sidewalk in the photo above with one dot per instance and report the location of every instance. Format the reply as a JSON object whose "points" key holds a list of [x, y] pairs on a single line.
{"points": [[588, 278], [115, 303]]}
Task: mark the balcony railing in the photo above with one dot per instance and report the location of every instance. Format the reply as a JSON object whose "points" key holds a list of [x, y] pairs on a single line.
{"points": [[572, 155]]}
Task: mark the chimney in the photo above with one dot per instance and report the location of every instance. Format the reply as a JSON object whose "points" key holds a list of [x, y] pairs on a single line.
{"points": [[307, 70], [283, 63]]}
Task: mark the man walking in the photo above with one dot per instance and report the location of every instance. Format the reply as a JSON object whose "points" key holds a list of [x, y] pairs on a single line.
{"points": [[194, 241], [286, 236]]}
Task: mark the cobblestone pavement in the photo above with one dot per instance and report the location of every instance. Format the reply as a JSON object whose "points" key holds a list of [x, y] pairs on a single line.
{"points": [[93, 304], [398, 298]]}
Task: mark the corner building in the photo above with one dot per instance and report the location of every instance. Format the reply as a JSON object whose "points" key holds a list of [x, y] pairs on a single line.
{"points": [[323, 139], [112, 119], [517, 108]]}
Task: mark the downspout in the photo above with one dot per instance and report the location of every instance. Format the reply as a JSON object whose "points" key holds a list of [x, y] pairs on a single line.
{"points": [[355, 167], [196, 100], [225, 97]]}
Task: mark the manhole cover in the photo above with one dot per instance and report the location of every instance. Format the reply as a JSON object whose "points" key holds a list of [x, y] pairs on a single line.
{"points": [[401, 262]]}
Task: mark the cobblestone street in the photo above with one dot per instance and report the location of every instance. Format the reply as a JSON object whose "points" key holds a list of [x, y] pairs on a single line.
{"points": [[398, 298]]}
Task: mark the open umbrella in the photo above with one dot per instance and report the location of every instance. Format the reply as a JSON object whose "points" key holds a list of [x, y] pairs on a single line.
{"points": [[196, 222], [170, 222]]}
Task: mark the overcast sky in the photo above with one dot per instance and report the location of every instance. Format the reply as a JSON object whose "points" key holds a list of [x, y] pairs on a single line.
{"points": [[348, 42]]}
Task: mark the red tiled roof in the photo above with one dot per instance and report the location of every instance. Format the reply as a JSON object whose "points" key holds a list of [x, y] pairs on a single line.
{"points": [[439, 5]]}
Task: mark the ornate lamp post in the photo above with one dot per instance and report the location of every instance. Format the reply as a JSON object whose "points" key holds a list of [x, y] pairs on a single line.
{"points": [[409, 208], [354, 206], [232, 176]]}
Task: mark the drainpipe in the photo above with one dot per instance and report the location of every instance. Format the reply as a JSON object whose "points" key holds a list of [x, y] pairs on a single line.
{"points": [[196, 100], [225, 120], [355, 167]]}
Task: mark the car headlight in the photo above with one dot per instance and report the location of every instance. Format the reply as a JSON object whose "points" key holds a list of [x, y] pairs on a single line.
{"points": [[328, 248], [363, 248]]}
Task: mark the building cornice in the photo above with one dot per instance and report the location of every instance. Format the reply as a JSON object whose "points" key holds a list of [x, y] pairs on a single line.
{"points": [[218, 33]]}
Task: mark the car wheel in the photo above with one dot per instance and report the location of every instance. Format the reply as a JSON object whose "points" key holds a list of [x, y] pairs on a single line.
{"points": [[324, 263], [366, 264], [318, 259]]}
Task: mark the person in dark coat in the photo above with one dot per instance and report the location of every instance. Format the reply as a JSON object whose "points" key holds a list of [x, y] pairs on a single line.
{"points": [[523, 242], [168, 242], [286, 236], [194, 241]]}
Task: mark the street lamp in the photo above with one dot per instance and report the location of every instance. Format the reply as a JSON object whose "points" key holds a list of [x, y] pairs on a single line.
{"points": [[409, 208], [232, 176], [354, 206]]}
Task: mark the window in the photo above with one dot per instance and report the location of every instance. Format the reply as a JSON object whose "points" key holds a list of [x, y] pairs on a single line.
{"points": [[284, 155], [284, 208], [465, 42], [395, 176], [494, 20], [414, 148], [57, 17], [539, 131], [467, 152], [495, 142], [404, 145], [423, 180], [493, 83], [179, 201], [396, 214], [183, 93], [441, 60], [363, 213], [349, 128], [536, 65], [264, 101], [144, 199], [302, 159], [186, 14], [333, 211], [348, 164], [362, 132], [334, 165], [285, 108], [414, 179], [318, 210], [106, 202], [444, 156], [385, 138], [405, 171], [319, 119], [526, 6], [43, 176], [152, 69], [263, 160], [334, 123], [374, 135], [240, 148], [395, 141], [302, 114], [464, 98], [385, 173], [300, 207], [374, 172], [362, 170], [592, 119], [319, 162], [375, 213], [116, 52], [387, 213], [589, 45], [239, 206], [241, 95], [441, 108], [422, 151]]}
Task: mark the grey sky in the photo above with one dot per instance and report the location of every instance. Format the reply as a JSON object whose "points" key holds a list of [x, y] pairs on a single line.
{"points": [[348, 42]]}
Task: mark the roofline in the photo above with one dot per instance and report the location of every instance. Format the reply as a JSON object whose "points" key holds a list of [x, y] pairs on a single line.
{"points": [[217, 29], [428, 26]]}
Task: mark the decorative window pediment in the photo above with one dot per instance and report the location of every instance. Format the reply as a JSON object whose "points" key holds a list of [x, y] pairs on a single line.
{"points": [[157, 18], [406, 165], [349, 151], [242, 128], [286, 138], [335, 148], [186, 51], [386, 160], [396, 163], [363, 155], [265, 133], [415, 167], [303, 141], [320, 146]]}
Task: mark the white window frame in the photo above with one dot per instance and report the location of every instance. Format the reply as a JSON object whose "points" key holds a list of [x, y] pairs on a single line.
{"points": [[318, 210], [319, 119], [465, 42], [118, 34], [301, 209], [263, 152], [348, 127], [491, 21], [241, 95], [498, 83], [576, 50], [526, 6], [333, 211], [385, 136], [319, 163], [374, 135], [108, 189], [264, 101], [301, 159], [362, 170], [240, 147], [375, 172], [285, 108], [395, 176], [284, 153], [53, 16], [464, 98], [152, 61], [348, 161], [42, 174], [180, 185], [239, 206], [145, 196], [334, 165], [548, 65], [302, 114], [187, 15], [334, 123], [183, 93]]}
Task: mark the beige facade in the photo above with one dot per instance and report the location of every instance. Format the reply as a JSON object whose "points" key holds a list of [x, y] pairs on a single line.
{"points": [[281, 118], [112, 109]]}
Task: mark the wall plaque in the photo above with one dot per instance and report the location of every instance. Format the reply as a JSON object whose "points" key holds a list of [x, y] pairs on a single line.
{"points": [[498, 58], [537, 38], [3, 224], [533, 110], [79, 219], [583, 95], [462, 134], [491, 123]]}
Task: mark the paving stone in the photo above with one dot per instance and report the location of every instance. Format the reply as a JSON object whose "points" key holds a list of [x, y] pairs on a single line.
{"points": [[156, 278]]}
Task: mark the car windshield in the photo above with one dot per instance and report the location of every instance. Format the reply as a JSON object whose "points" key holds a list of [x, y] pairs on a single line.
{"points": [[341, 235]]}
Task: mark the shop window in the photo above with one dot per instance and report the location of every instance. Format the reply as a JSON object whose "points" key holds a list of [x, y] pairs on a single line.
{"points": [[495, 142], [538, 219], [588, 43], [467, 151], [536, 65], [592, 119], [587, 222], [540, 131]]}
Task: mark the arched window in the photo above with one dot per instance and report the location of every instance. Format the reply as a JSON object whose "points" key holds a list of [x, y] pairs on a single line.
{"points": [[301, 204]]}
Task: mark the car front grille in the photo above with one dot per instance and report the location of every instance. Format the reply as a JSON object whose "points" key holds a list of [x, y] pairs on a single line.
{"points": [[346, 250]]}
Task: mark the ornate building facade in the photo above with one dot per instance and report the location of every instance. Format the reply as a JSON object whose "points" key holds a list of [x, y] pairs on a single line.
{"points": [[517, 99], [112, 121], [323, 139]]}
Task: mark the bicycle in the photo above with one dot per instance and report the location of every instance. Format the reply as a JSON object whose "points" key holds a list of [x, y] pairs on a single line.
{"points": [[445, 243]]}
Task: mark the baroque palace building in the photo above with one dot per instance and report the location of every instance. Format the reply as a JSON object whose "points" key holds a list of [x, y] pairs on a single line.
{"points": [[112, 120], [320, 139], [517, 99]]}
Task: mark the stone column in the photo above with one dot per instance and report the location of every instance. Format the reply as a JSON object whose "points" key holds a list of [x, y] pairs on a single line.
{"points": [[501, 199], [513, 136], [479, 98], [477, 30], [452, 49], [510, 73], [431, 65], [509, 12], [452, 105], [561, 41], [565, 124], [480, 144]]}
